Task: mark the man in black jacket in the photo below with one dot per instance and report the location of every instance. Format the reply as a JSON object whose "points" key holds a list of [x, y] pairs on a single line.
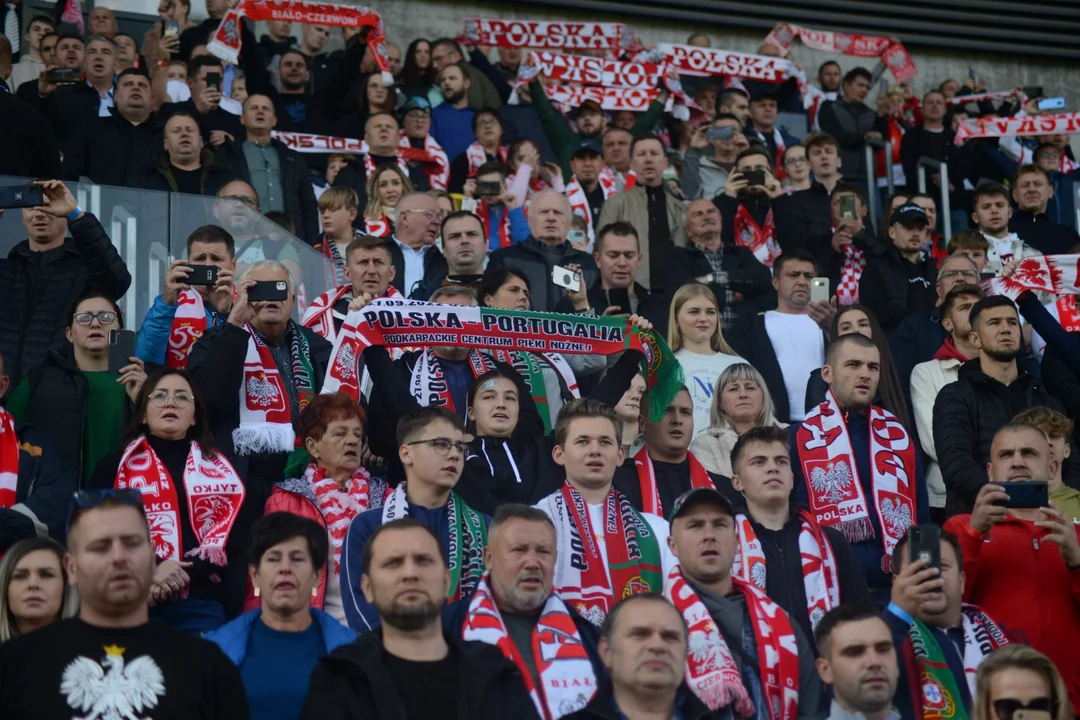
{"points": [[382, 138], [845, 247], [900, 281], [747, 210], [852, 122], [989, 392], [215, 123], [411, 668], [279, 175], [186, 166], [546, 247], [117, 149], [29, 145], [806, 215], [43, 275], [1032, 192]]}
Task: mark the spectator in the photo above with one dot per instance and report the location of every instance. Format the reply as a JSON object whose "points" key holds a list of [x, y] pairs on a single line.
{"points": [[418, 264], [431, 449], [386, 187], [293, 101], [114, 149], [277, 645], [848, 245], [1058, 430], [68, 54], [704, 176], [1020, 670], [786, 344], [338, 208], [481, 93], [279, 175], [762, 127], [618, 257], [930, 138], [809, 214], [616, 142], [852, 123], [216, 123], [837, 446], [30, 146], [465, 252], [185, 166], [932, 626], [393, 59], [858, 661], [991, 215], [488, 148], [502, 215], [740, 403], [1024, 580], [187, 676], [369, 269], [31, 61], [237, 211], [935, 245], [200, 34], [165, 339], [545, 248], [72, 397], [516, 590], [927, 379], [828, 88], [417, 74], [410, 664], [633, 688], [1032, 192], [651, 208], [103, 22], [797, 168], [591, 186], [773, 533], [44, 274], [735, 101], [989, 390], [381, 136], [723, 611], [277, 40], [747, 210], [451, 121], [70, 105], [587, 506], [34, 587], [971, 243], [898, 283]]}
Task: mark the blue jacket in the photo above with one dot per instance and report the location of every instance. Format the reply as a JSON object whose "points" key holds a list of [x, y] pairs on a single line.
{"points": [[153, 339], [233, 636], [519, 226], [870, 552]]}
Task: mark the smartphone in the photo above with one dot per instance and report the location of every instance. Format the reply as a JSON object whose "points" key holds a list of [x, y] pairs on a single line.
{"points": [[64, 76], [971, 72], [1054, 103], [819, 289], [1027, 494], [847, 207], [575, 237], [720, 133], [1032, 92], [21, 196], [565, 277], [213, 80], [202, 274], [924, 543], [753, 177], [268, 290], [121, 349], [488, 188], [170, 28], [620, 297]]}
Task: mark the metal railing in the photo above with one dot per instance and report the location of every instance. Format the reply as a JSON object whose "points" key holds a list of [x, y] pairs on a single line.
{"points": [[871, 173], [944, 210]]}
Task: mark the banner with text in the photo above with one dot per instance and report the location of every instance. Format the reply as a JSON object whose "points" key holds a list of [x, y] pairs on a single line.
{"points": [[892, 53], [545, 35], [990, 127], [703, 62]]}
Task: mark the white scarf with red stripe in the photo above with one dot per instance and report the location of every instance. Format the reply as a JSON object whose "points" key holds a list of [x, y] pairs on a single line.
{"points": [[428, 384], [265, 410], [847, 290], [438, 172], [188, 325], [761, 240], [320, 316], [477, 156], [377, 228], [579, 203], [832, 476], [711, 671], [9, 460], [336, 512], [506, 236], [213, 490], [567, 680], [650, 492], [369, 166], [778, 161], [821, 581], [1067, 314]]}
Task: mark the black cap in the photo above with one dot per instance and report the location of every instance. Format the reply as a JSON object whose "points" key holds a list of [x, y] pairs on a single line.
{"points": [[416, 103], [589, 104], [586, 145], [699, 495], [909, 214]]}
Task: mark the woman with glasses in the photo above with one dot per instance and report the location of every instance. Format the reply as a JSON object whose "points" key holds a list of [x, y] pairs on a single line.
{"points": [[34, 589], [72, 397], [796, 170], [385, 189], [1016, 681], [192, 496]]}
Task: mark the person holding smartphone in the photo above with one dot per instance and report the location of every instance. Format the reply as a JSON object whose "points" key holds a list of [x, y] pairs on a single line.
{"points": [[746, 204], [711, 156], [499, 210]]}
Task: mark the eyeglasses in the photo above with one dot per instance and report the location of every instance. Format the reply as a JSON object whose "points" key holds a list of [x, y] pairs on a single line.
{"points": [[1005, 707], [969, 274], [181, 398], [105, 317], [442, 446], [429, 214], [89, 499], [245, 199], [796, 161]]}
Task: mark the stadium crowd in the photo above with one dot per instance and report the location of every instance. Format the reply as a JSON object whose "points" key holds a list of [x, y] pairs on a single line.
{"points": [[618, 403]]}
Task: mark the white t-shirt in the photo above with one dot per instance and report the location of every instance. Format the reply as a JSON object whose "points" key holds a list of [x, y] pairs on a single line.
{"points": [[701, 372], [800, 350]]}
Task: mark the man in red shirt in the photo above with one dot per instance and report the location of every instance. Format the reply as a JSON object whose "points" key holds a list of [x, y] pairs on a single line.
{"points": [[1023, 564]]}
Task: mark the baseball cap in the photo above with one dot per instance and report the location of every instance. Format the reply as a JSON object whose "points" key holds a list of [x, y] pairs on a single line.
{"points": [[909, 214], [415, 103], [587, 145], [590, 105], [698, 495]]}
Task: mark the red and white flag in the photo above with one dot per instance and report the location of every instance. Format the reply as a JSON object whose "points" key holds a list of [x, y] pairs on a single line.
{"points": [[893, 54], [989, 127]]}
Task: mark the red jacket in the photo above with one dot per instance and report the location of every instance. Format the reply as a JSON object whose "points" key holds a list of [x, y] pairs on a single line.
{"points": [[1023, 583]]}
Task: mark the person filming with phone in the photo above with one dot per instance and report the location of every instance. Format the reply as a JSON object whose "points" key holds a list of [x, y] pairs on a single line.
{"points": [[746, 204], [1022, 553]]}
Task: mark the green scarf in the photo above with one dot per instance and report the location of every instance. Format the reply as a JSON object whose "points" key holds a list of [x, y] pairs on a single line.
{"points": [[938, 692]]}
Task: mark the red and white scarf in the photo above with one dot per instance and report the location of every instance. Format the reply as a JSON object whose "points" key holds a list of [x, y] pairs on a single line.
{"points": [[438, 172], [214, 495], [1068, 317], [761, 240], [320, 316], [611, 99], [541, 34], [9, 460], [428, 384], [1064, 123], [650, 492], [377, 228], [821, 581], [982, 636], [506, 236], [847, 290], [336, 513], [579, 202], [1053, 274], [567, 680], [778, 160], [477, 156], [369, 164], [711, 671], [188, 325], [832, 477], [265, 411], [225, 42], [893, 54], [705, 62], [979, 97]]}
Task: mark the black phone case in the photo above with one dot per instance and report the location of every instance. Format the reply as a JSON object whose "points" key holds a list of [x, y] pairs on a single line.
{"points": [[121, 348], [21, 196], [925, 541], [202, 274], [1025, 495], [266, 291]]}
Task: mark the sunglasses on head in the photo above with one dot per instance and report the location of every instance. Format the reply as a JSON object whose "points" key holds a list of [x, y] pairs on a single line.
{"points": [[89, 499], [1006, 708]]}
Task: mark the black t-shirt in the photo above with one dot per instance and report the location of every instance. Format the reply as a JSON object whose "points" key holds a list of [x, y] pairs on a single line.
{"points": [[71, 669], [428, 690], [188, 181]]}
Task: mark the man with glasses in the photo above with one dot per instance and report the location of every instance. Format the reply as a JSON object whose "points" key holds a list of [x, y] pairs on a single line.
{"points": [[111, 659], [431, 448], [255, 239], [185, 166], [417, 262]]}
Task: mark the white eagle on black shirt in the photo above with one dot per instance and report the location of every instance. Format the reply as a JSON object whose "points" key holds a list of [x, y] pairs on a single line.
{"points": [[117, 694]]}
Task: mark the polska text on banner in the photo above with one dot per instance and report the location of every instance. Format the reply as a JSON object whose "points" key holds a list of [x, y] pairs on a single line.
{"points": [[584, 70], [693, 60], [1064, 124], [635, 99], [544, 35], [325, 144], [893, 54]]}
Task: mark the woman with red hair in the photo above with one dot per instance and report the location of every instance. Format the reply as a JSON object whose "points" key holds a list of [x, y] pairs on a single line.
{"points": [[327, 483]]}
